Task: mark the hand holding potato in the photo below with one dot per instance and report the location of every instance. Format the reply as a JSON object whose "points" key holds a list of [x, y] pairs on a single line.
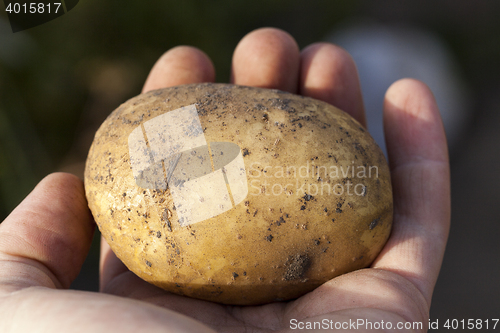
{"points": [[44, 241]]}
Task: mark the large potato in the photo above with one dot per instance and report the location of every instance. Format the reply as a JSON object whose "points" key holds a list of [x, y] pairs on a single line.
{"points": [[238, 195]]}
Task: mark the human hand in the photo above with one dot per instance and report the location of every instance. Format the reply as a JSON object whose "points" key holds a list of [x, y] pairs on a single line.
{"points": [[45, 240]]}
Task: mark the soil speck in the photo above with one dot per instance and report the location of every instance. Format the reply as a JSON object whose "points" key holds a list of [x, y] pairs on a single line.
{"points": [[374, 223], [296, 267], [307, 197], [280, 221]]}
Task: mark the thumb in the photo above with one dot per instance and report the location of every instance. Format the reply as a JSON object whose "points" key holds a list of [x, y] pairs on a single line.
{"points": [[45, 240]]}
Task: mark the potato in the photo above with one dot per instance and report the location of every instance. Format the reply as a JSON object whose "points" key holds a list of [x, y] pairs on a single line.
{"points": [[238, 195]]}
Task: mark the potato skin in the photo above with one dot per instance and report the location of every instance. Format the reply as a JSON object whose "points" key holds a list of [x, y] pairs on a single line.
{"points": [[292, 232]]}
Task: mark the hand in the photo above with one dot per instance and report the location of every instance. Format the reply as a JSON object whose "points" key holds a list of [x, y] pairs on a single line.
{"points": [[45, 240]]}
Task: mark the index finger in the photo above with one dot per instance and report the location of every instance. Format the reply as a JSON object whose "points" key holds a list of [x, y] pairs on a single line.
{"points": [[180, 65]]}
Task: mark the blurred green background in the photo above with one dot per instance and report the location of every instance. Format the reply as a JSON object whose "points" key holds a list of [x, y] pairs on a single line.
{"points": [[59, 81]]}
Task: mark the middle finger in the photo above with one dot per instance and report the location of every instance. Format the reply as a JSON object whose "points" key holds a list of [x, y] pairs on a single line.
{"points": [[267, 58]]}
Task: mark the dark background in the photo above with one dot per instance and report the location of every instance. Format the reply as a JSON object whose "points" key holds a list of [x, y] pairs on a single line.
{"points": [[58, 82]]}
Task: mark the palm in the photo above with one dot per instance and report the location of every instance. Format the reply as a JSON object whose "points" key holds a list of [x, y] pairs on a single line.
{"points": [[45, 240], [370, 294]]}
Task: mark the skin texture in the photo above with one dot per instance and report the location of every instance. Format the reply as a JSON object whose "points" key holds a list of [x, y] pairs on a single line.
{"points": [[46, 238]]}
